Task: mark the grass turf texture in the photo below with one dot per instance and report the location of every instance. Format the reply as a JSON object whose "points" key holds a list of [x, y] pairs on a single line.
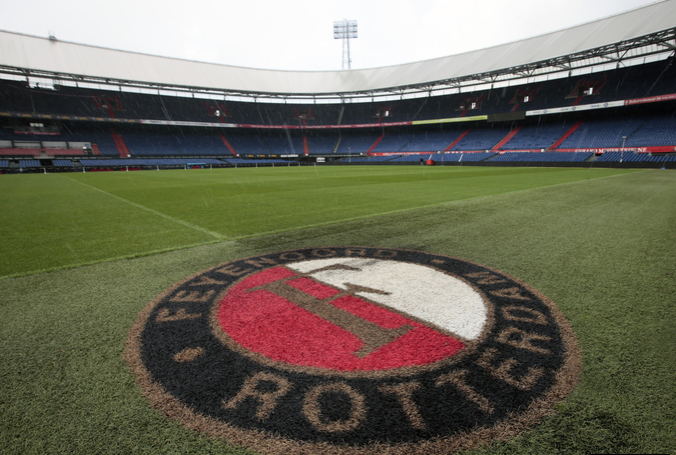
{"points": [[61, 220], [601, 248]]}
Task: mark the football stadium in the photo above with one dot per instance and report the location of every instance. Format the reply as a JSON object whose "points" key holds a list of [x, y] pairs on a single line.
{"points": [[473, 253]]}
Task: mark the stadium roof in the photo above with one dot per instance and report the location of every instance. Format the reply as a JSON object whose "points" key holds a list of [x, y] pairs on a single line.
{"points": [[637, 33]]}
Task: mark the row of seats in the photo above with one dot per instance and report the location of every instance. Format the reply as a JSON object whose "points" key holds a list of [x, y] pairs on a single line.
{"points": [[616, 157], [29, 163], [551, 157], [373, 159], [508, 157], [62, 163], [138, 162], [244, 161], [148, 162], [634, 131], [537, 136], [522, 157], [624, 83]]}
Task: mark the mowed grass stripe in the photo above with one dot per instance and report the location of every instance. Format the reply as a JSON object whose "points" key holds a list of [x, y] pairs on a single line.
{"points": [[216, 235], [50, 222], [51, 225], [254, 201], [599, 249], [451, 199]]}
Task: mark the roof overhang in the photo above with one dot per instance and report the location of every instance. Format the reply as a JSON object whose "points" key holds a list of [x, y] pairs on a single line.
{"points": [[637, 33]]}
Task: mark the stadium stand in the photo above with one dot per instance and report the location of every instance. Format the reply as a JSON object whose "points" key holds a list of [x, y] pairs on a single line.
{"points": [[357, 143], [442, 158], [413, 158], [374, 159], [481, 139], [551, 157], [393, 142], [145, 143], [23, 164], [244, 161], [631, 157], [475, 157], [552, 117], [248, 144], [284, 144], [602, 133], [428, 141], [62, 163], [652, 79], [322, 145], [148, 162], [656, 131], [201, 144], [537, 137]]}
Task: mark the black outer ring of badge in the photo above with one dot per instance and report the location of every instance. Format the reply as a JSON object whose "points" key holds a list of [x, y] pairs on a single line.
{"points": [[199, 387]]}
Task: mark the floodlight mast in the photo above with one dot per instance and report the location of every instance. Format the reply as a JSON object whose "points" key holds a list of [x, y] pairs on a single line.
{"points": [[345, 30]]}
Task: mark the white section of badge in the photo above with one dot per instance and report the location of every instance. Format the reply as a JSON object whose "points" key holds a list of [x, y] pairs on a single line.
{"points": [[419, 291]]}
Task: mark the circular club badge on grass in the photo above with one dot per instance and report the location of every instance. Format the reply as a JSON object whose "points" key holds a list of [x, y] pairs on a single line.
{"points": [[354, 350]]}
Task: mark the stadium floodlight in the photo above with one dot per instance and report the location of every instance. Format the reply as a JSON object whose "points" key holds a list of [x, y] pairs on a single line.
{"points": [[345, 30]]}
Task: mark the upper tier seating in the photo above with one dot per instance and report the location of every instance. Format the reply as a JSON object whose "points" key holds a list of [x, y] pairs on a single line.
{"points": [[651, 79]]}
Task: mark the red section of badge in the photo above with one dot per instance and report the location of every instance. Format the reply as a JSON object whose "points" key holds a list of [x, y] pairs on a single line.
{"points": [[370, 312], [274, 326], [315, 289]]}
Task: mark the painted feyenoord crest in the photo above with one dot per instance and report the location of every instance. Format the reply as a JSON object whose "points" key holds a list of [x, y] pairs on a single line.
{"points": [[354, 350]]}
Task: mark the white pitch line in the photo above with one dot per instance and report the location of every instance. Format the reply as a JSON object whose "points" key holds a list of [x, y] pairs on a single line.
{"points": [[155, 212]]}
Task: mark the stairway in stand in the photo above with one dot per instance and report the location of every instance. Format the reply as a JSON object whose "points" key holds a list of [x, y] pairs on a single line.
{"points": [[119, 143]]}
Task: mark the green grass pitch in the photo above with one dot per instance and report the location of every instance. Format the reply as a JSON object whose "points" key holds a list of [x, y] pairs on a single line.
{"points": [[82, 254]]}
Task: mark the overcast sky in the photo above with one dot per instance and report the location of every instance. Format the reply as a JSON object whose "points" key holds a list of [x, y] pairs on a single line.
{"points": [[298, 34]]}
